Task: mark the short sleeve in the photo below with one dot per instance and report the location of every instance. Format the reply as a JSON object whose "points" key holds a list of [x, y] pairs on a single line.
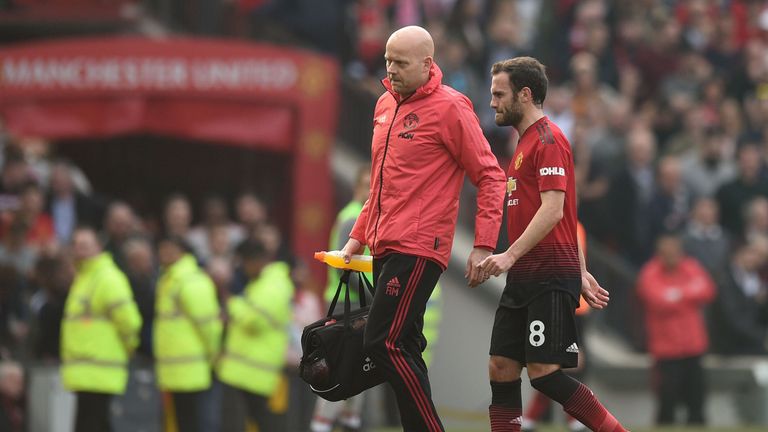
{"points": [[553, 162]]}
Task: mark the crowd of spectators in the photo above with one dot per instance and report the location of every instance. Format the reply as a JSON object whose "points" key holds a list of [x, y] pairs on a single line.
{"points": [[665, 104], [43, 201]]}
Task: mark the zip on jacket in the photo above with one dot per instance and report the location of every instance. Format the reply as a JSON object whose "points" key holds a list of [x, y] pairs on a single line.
{"points": [[381, 171]]}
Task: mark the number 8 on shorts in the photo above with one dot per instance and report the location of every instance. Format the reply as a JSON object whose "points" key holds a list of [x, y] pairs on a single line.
{"points": [[536, 338]]}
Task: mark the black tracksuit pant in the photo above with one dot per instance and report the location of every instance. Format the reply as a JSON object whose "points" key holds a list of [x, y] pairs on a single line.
{"points": [[93, 414], [258, 410], [393, 335], [187, 406], [680, 381]]}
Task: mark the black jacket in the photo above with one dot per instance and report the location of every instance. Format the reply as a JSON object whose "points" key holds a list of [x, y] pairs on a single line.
{"points": [[737, 322]]}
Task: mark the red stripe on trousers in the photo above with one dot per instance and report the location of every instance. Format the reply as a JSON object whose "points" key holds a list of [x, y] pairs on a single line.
{"points": [[408, 375], [396, 356]]}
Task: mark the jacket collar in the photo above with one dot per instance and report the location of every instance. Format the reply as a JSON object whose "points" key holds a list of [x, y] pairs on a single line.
{"points": [[185, 264], [272, 270], [432, 84], [94, 262]]}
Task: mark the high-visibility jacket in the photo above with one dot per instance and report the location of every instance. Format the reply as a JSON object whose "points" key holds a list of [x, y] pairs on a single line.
{"points": [[187, 327], [100, 328], [258, 332], [348, 214]]}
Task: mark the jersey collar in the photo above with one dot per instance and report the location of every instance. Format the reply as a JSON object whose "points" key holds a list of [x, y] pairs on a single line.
{"points": [[533, 127]]}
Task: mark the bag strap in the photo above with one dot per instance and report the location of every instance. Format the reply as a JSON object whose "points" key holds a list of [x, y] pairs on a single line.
{"points": [[362, 280], [347, 304], [343, 280]]}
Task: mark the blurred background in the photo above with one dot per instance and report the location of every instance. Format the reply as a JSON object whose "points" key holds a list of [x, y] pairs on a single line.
{"points": [[225, 120]]}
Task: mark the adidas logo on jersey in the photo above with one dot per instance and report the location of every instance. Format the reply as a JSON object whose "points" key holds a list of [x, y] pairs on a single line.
{"points": [[393, 287], [573, 348]]}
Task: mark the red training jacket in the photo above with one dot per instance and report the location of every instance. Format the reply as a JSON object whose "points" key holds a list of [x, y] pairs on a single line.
{"points": [[673, 301], [422, 146]]}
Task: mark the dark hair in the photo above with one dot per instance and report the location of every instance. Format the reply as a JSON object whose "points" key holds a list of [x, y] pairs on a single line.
{"points": [[214, 198], [251, 249], [31, 186], [669, 233], [46, 268], [19, 227], [714, 131], [177, 241], [525, 72]]}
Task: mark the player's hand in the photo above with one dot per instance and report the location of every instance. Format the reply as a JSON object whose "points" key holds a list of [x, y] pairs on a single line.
{"points": [[595, 295], [473, 273], [353, 247], [497, 264]]}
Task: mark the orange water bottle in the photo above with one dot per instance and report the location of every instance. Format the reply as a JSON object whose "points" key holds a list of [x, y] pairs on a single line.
{"points": [[361, 263]]}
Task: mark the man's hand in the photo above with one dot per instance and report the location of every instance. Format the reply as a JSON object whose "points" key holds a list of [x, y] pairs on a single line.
{"points": [[497, 264], [472, 273], [353, 247], [595, 295]]}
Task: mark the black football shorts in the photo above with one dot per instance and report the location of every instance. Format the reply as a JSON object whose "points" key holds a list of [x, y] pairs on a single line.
{"points": [[544, 331]]}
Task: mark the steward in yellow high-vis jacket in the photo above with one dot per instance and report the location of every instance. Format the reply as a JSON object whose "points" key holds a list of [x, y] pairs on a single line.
{"points": [[99, 331], [187, 331], [258, 334]]}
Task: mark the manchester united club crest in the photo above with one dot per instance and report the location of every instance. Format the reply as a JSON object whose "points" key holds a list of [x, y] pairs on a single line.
{"points": [[518, 161], [411, 121]]}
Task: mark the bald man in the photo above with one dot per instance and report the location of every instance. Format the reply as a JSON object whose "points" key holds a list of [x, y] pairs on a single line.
{"points": [[426, 137]]}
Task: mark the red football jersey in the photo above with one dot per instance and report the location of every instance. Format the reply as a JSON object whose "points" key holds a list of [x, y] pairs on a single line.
{"points": [[543, 161]]}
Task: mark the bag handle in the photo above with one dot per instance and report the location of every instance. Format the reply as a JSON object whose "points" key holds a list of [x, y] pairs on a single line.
{"points": [[343, 280], [347, 305], [362, 280]]}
